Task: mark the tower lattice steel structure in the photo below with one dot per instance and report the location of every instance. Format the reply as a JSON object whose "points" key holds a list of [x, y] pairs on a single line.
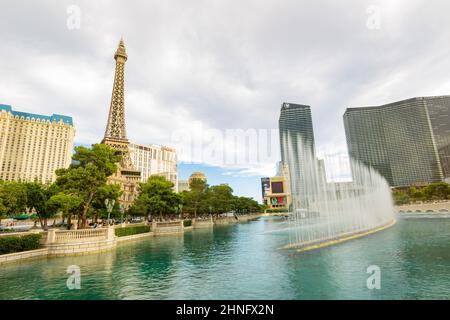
{"points": [[115, 134]]}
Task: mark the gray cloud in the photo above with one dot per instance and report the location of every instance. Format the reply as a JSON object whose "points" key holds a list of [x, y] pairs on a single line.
{"points": [[221, 63]]}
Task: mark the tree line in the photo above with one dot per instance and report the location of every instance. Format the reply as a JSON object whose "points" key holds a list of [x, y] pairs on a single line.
{"points": [[81, 190], [157, 198], [434, 191]]}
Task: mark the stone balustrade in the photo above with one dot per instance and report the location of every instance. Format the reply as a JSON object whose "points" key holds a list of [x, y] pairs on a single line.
{"points": [[62, 242], [60, 236], [167, 227], [203, 223]]}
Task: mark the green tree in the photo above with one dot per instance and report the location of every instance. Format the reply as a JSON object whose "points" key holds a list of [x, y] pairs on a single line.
{"points": [[13, 196], [412, 191], [108, 191], [244, 205], [37, 196], [2, 211], [64, 203], [156, 196], [194, 199], [88, 174], [401, 198], [438, 191], [220, 198]]}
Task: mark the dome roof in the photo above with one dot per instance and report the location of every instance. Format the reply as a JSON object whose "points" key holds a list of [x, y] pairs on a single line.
{"points": [[198, 175]]}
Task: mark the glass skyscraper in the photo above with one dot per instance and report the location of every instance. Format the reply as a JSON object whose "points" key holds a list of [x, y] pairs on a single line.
{"points": [[296, 133], [439, 113], [296, 123], [406, 141]]}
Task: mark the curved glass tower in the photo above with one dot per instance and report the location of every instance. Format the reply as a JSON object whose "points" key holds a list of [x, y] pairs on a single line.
{"points": [[406, 141]]}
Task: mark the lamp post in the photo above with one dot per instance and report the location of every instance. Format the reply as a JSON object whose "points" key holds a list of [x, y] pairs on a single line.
{"points": [[109, 207], [122, 210], [180, 207]]}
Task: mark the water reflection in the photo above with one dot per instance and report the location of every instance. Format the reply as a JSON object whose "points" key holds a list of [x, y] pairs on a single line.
{"points": [[244, 261]]}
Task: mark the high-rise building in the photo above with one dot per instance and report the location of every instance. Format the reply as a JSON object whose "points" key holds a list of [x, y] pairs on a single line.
{"points": [[127, 176], [183, 185], [297, 144], [439, 113], [295, 125], [33, 146], [153, 160], [406, 141]]}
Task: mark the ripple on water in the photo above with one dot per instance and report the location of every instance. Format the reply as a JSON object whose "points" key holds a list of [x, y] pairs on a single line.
{"points": [[243, 262]]}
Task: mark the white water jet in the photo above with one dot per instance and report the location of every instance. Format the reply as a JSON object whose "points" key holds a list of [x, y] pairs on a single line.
{"points": [[323, 211]]}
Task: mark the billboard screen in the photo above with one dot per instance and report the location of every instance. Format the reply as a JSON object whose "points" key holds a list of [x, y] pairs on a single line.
{"points": [[277, 187], [278, 201], [265, 186]]}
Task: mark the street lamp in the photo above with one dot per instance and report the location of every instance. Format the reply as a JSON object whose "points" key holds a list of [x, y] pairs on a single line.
{"points": [[122, 210], [109, 207], [180, 207]]}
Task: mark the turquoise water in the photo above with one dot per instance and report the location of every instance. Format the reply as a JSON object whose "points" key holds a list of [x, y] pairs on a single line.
{"points": [[243, 262]]}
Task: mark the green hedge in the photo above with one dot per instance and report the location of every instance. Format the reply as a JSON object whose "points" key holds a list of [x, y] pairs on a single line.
{"points": [[11, 244], [187, 223], [276, 210], [128, 231]]}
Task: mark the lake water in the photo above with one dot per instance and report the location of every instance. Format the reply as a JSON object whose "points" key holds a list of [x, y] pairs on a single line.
{"points": [[244, 261]]}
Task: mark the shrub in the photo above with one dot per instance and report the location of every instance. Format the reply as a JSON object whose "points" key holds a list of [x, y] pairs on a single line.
{"points": [[187, 223], [128, 231], [11, 244], [277, 210]]}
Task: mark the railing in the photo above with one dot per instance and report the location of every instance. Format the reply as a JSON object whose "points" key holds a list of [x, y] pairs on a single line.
{"points": [[159, 227], [166, 224], [85, 235]]}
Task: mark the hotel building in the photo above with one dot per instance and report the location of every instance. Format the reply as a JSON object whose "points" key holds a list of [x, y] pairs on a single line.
{"points": [[276, 191], [183, 185], [297, 145], [153, 160], [33, 146], [406, 141]]}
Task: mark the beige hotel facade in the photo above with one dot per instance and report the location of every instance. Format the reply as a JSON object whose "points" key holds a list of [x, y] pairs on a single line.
{"points": [[33, 146], [155, 160]]}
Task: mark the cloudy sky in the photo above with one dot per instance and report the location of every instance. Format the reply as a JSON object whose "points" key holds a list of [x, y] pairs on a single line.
{"points": [[199, 68]]}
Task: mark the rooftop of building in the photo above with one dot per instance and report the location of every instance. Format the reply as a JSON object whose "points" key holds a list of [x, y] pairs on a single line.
{"points": [[394, 103], [197, 175], [152, 146], [288, 105], [38, 117]]}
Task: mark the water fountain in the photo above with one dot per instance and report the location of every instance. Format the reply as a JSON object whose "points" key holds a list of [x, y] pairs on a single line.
{"points": [[324, 212]]}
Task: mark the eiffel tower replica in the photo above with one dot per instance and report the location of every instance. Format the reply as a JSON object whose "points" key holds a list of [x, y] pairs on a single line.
{"points": [[116, 137]]}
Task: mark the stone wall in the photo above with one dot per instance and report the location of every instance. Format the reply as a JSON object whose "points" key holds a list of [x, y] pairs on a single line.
{"points": [[134, 237], [199, 224], [170, 227], [62, 243], [424, 207], [15, 257]]}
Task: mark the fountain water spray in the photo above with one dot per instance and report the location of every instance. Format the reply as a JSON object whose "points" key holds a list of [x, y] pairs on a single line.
{"points": [[325, 212]]}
